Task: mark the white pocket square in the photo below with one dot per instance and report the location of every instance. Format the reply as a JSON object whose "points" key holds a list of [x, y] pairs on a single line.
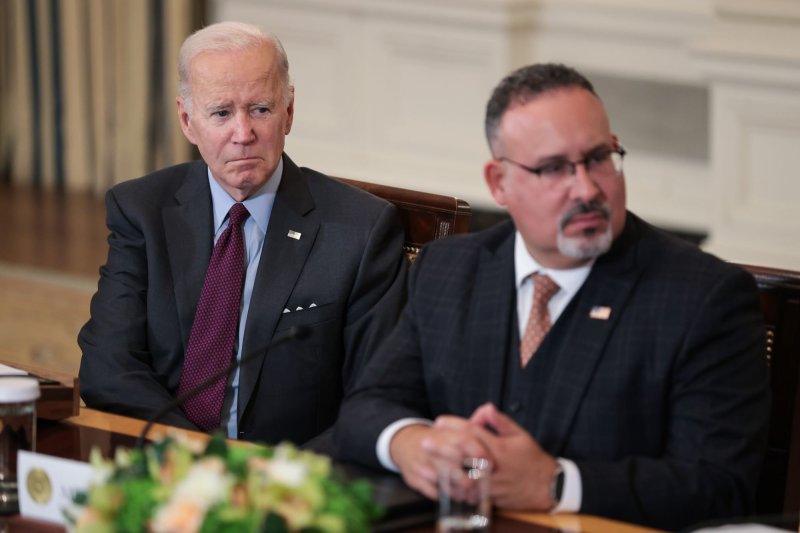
{"points": [[299, 308]]}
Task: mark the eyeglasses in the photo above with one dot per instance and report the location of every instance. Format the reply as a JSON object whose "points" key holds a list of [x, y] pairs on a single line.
{"points": [[604, 163]]}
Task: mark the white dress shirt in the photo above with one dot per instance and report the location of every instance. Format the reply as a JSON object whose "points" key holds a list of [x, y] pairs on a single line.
{"points": [[569, 282]]}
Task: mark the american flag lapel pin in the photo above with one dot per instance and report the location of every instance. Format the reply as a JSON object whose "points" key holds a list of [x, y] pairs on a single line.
{"points": [[294, 234], [600, 312]]}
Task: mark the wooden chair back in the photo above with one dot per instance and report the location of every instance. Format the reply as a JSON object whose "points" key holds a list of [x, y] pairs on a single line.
{"points": [[779, 487], [425, 216]]}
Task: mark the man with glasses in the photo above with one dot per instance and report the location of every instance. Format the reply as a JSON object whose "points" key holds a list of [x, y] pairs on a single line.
{"points": [[602, 365]]}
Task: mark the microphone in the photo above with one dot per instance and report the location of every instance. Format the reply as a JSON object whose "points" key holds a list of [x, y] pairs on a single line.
{"points": [[292, 334]]}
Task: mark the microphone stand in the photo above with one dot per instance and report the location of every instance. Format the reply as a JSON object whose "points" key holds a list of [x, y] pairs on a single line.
{"points": [[293, 333]]}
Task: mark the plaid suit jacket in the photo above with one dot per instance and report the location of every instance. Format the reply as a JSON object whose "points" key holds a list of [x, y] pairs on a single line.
{"points": [[663, 405]]}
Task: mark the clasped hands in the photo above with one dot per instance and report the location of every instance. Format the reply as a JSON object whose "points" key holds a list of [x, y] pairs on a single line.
{"points": [[522, 472]]}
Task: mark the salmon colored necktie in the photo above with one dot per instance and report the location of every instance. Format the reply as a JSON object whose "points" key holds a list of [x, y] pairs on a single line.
{"points": [[539, 320]]}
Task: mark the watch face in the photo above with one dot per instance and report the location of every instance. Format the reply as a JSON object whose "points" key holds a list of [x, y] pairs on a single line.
{"points": [[559, 482], [557, 487]]}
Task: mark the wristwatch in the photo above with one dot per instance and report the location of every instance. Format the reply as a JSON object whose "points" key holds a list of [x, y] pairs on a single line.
{"points": [[557, 485]]}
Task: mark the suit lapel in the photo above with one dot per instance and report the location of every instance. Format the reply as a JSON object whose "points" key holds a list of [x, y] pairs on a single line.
{"points": [[282, 260], [188, 227], [609, 285], [491, 311]]}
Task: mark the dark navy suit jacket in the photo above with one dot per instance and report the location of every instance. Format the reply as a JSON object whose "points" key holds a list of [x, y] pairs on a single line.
{"points": [[348, 261]]}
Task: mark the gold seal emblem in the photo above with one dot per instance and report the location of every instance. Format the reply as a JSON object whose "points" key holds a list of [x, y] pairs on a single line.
{"points": [[39, 486]]}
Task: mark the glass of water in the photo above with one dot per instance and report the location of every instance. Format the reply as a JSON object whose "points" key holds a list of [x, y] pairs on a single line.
{"points": [[465, 496]]}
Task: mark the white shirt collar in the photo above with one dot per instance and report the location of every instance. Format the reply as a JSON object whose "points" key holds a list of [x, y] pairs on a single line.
{"points": [[569, 280]]}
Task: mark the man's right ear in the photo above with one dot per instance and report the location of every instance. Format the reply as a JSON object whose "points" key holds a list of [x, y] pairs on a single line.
{"points": [[183, 118], [494, 174]]}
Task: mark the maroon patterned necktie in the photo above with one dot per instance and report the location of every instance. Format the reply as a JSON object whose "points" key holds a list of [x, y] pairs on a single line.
{"points": [[216, 323]]}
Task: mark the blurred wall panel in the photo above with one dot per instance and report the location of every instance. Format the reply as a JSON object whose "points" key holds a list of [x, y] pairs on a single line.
{"points": [[704, 92]]}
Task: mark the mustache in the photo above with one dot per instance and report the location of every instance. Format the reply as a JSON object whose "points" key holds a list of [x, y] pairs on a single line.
{"points": [[582, 208]]}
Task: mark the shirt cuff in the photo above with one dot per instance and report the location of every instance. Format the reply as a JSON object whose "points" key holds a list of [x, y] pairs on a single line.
{"points": [[382, 447], [572, 493]]}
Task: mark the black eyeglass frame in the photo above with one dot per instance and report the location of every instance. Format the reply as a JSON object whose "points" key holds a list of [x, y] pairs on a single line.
{"points": [[537, 171]]}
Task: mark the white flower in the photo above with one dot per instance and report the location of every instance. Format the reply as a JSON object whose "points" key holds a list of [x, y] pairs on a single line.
{"points": [[193, 444], [101, 469], [178, 517], [287, 472], [206, 484], [281, 468], [101, 473]]}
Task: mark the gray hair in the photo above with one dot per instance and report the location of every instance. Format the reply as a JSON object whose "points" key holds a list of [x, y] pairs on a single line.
{"points": [[227, 37]]}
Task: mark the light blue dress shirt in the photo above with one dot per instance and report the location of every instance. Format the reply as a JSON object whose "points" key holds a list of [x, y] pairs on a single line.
{"points": [[259, 205]]}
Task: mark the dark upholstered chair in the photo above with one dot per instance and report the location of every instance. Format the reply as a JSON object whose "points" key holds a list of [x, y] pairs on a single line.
{"points": [[425, 216], [779, 488]]}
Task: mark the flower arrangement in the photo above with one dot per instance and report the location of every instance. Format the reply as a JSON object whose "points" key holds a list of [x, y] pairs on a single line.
{"points": [[176, 486]]}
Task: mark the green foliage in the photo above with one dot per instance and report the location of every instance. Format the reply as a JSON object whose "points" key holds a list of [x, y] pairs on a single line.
{"points": [[231, 520], [274, 523], [222, 488], [137, 505], [217, 446]]}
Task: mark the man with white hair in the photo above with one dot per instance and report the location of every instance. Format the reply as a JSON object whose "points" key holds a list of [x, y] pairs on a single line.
{"points": [[210, 260]]}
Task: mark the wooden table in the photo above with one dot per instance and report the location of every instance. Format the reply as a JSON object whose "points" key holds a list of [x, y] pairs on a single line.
{"points": [[75, 437]]}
